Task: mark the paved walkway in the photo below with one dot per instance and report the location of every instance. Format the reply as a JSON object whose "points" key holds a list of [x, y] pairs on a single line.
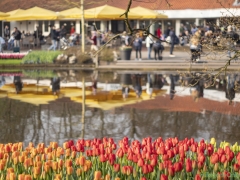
{"points": [[208, 60]]}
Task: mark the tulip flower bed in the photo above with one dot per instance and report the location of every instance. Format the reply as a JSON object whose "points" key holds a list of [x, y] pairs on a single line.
{"points": [[103, 159], [12, 55]]}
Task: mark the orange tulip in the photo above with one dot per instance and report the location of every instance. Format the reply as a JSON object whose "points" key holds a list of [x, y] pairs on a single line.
{"points": [[12, 176], [58, 177], [54, 166], [54, 145], [21, 176], [97, 175], [69, 170], [27, 177], [36, 171], [107, 177], [46, 168], [79, 172], [2, 166], [82, 160]]}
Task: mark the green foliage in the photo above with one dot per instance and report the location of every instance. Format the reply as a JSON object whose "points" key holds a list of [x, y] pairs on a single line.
{"points": [[10, 61], [40, 57], [39, 73], [81, 57]]}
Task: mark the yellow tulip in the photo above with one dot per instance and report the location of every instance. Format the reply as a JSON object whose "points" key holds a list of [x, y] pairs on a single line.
{"points": [[212, 141]]}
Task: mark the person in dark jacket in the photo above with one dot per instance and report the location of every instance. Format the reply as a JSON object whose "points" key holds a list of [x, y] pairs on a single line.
{"points": [[157, 47], [172, 43], [17, 37], [57, 38], [63, 32], [6, 32], [53, 39], [172, 86], [138, 47]]}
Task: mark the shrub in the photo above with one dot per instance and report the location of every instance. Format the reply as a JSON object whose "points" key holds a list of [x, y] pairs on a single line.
{"points": [[82, 58], [106, 55], [40, 57]]}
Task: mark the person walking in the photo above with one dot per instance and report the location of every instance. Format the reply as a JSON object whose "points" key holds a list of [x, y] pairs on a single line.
{"points": [[17, 37], [149, 45], [63, 32], [138, 47], [53, 38], [172, 42]]}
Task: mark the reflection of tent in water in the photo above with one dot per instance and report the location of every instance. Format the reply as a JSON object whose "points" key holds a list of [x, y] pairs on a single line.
{"points": [[113, 99], [106, 100], [33, 98], [26, 88], [3, 94]]}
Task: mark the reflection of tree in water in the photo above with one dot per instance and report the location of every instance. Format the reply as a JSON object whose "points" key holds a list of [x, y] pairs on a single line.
{"points": [[61, 120], [12, 119]]}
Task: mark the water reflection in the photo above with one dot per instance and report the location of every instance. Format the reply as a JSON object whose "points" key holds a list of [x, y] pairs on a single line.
{"points": [[133, 104]]}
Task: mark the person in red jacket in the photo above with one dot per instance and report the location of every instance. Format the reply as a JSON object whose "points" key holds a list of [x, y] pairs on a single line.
{"points": [[159, 32], [72, 31]]}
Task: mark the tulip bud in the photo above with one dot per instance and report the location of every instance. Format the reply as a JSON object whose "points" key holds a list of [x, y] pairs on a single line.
{"points": [[58, 177], [216, 167], [116, 167], [82, 160]]}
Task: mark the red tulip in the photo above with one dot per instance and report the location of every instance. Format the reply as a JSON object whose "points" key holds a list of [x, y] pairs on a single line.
{"points": [[200, 165], [145, 169], [161, 166], [161, 150], [102, 158], [230, 156], [153, 162], [197, 177], [163, 177], [223, 159], [201, 157], [178, 166], [226, 175], [143, 178], [236, 167], [210, 149], [171, 171], [119, 153], [214, 158], [116, 167], [188, 165]]}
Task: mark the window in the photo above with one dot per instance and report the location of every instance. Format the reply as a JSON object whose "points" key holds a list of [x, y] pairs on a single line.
{"points": [[236, 3], [46, 28]]}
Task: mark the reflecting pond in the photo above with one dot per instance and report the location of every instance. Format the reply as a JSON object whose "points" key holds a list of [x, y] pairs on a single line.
{"points": [[43, 106]]}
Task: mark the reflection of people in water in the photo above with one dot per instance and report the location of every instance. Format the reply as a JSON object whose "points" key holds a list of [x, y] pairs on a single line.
{"points": [[197, 89], [55, 82], [2, 81], [126, 82], [137, 84], [94, 82], [149, 84], [158, 81], [230, 88], [172, 86], [17, 81]]}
